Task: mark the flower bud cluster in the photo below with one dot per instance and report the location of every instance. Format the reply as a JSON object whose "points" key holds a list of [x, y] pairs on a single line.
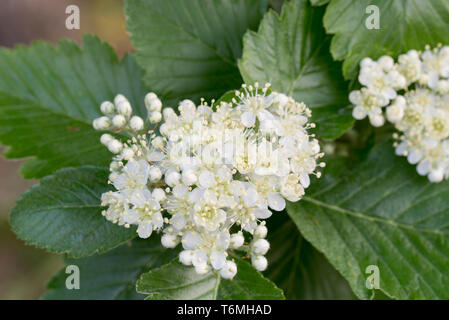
{"points": [[415, 94], [213, 175]]}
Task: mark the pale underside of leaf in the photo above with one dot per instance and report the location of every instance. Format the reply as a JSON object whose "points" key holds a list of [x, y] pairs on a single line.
{"points": [[176, 281]]}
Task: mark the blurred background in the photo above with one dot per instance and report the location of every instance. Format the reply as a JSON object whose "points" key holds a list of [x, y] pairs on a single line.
{"points": [[25, 270]]}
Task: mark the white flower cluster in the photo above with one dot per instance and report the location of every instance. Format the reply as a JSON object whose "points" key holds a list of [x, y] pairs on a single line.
{"points": [[415, 93], [211, 176]]}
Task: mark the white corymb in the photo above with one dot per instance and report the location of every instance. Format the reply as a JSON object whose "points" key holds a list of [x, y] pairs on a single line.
{"points": [[414, 92], [214, 174]]}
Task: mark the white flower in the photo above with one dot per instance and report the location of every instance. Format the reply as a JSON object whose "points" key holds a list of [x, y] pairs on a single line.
{"points": [[213, 175], [419, 89], [133, 176]]}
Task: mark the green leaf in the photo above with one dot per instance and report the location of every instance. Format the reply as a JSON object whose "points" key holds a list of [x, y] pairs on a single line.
{"points": [[292, 53], [319, 2], [63, 214], [298, 268], [404, 25], [179, 282], [189, 48], [50, 95], [383, 214], [112, 275]]}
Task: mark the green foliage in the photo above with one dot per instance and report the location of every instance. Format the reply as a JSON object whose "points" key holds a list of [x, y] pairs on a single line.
{"points": [[378, 212], [381, 214], [404, 25], [63, 214], [291, 52], [50, 95], [176, 281], [112, 275], [319, 2], [189, 49], [298, 268]]}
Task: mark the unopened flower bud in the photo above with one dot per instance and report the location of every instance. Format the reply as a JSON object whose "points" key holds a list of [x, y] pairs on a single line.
{"points": [[185, 257], [152, 103], [202, 268], [260, 246], [107, 108], [158, 194], [155, 117], [106, 138], [169, 240], [155, 174], [173, 178], [261, 232], [115, 146], [189, 177], [259, 262], [102, 123], [136, 123], [237, 240], [229, 270], [168, 113], [119, 98], [124, 108], [119, 121]]}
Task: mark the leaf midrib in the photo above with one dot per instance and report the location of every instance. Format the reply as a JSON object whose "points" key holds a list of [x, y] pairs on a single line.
{"points": [[371, 218], [46, 108]]}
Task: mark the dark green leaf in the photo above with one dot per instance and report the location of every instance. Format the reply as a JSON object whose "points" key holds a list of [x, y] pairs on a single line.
{"points": [[383, 214], [319, 2], [50, 95], [112, 275], [298, 268], [404, 25], [292, 53], [63, 214], [189, 48]]}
